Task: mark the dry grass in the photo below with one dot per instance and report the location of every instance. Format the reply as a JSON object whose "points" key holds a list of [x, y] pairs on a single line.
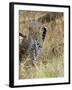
{"points": [[51, 61]]}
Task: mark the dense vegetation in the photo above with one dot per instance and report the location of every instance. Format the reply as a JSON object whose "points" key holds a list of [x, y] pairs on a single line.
{"points": [[51, 61]]}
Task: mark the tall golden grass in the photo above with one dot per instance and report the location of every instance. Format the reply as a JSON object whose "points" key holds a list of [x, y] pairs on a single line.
{"points": [[51, 61]]}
